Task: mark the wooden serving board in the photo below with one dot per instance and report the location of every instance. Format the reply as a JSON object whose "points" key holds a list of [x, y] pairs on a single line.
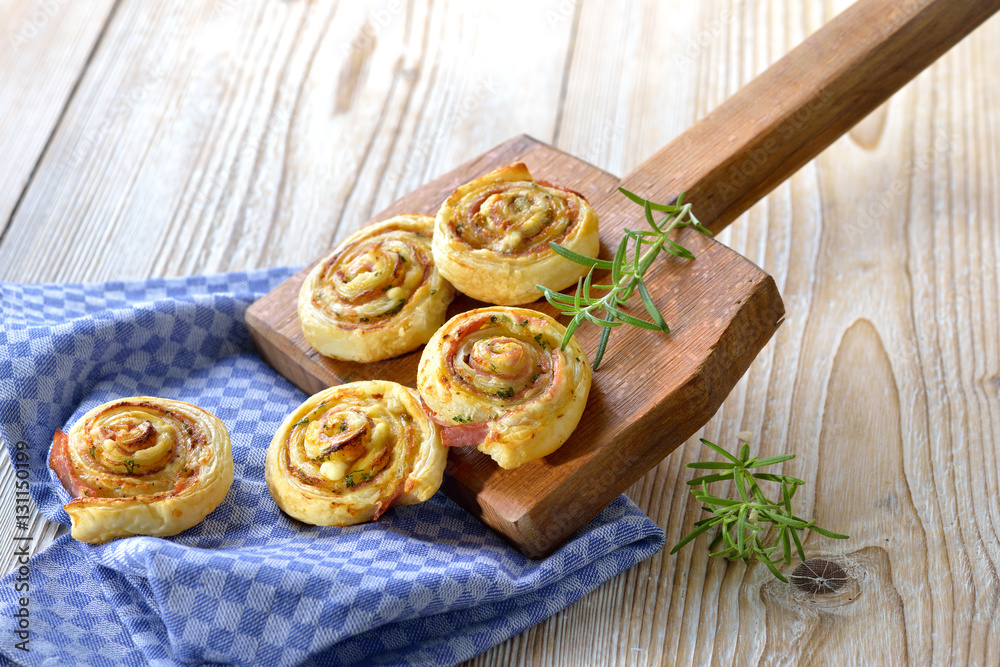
{"points": [[653, 391]]}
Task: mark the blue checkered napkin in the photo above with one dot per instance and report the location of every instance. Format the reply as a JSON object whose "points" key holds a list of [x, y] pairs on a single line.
{"points": [[427, 584]]}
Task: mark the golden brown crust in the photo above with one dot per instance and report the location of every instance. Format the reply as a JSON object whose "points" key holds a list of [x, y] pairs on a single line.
{"points": [[350, 452], [142, 466], [498, 378], [491, 236], [378, 294]]}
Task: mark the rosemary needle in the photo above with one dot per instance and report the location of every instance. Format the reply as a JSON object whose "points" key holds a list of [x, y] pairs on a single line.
{"points": [[741, 521], [627, 275]]}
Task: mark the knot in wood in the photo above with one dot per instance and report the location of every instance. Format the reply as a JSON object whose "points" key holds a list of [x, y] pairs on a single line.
{"points": [[818, 576]]}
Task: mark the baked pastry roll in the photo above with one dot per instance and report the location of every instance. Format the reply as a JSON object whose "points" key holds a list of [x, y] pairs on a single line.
{"points": [[498, 378], [491, 237], [352, 451], [378, 294], [142, 466]]}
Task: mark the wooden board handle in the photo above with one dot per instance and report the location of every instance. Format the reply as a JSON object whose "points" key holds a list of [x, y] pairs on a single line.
{"points": [[764, 133]]}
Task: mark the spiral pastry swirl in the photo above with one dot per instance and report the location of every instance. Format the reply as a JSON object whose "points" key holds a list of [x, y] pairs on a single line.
{"points": [[491, 236], [142, 466], [350, 452], [377, 295], [497, 378]]}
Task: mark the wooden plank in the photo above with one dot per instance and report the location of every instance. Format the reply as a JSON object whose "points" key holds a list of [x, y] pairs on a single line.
{"points": [[722, 310], [816, 97], [923, 269], [231, 135], [739, 152], [217, 135], [44, 48], [917, 255]]}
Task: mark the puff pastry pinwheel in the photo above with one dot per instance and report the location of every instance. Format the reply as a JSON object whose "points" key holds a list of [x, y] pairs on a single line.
{"points": [[352, 451], [378, 294], [142, 466], [498, 377], [491, 236]]}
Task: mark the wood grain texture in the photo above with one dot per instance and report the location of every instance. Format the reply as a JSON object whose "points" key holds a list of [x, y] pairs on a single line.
{"points": [[722, 310], [783, 118], [883, 228], [44, 48], [725, 162], [885, 248], [236, 130]]}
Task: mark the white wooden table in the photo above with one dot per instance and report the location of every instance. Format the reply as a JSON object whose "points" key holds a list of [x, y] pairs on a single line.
{"points": [[144, 139]]}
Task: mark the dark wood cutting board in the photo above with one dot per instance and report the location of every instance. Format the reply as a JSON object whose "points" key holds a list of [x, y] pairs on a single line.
{"points": [[653, 391]]}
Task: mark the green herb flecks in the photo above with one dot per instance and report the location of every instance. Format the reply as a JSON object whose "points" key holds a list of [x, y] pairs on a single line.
{"points": [[395, 309], [362, 476]]}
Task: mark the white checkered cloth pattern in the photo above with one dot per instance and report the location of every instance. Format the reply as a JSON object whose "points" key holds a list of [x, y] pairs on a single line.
{"points": [[425, 585]]}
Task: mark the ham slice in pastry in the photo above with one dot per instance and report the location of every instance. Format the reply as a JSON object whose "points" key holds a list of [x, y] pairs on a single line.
{"points": [[377, 295], [492, 235], [497, 378], [142, 466]]}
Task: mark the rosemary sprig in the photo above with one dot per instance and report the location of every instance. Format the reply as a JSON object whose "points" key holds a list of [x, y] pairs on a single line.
{"points": [[627, 275], [740, 520]]}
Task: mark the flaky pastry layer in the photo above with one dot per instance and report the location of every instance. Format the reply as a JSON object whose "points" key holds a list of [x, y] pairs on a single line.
{"points": [[492, 235], [377, 295], [350, 452], [142, 466], [497, 379]]}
